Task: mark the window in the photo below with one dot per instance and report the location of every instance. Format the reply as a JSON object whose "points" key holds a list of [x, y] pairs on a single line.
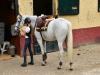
{"points": [[98, 5], [68, 7]]}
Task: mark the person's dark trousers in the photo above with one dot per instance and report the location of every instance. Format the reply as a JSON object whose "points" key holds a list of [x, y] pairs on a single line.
{"points": [[28, 45]]}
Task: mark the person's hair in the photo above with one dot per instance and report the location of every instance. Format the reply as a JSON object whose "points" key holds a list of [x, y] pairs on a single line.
{"points": [[27, 20]]}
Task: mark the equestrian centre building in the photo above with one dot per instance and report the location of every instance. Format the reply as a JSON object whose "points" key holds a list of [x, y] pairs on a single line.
{"points": [[83, 14]]}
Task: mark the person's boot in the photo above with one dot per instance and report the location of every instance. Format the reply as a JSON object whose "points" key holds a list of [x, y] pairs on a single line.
{"points": [[24, 64], [31, 62]]}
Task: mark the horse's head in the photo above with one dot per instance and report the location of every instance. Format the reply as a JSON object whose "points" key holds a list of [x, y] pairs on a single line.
{"points": [[24, 19], [18, 22]]}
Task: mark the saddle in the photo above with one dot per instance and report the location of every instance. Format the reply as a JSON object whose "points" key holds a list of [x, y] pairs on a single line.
{"points": [[41, 23]]}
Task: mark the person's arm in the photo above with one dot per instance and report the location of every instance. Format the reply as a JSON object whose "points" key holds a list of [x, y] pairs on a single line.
{"points": [[50, 19], [22, 30], [27, 29]]}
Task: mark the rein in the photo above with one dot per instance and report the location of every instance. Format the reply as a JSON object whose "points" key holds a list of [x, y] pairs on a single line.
{"points": [[35, 27]]}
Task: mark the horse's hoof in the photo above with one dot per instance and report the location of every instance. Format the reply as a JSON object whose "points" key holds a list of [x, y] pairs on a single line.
{"points": [[45, 62], [71, 69], [43, 65], [59, 68]]}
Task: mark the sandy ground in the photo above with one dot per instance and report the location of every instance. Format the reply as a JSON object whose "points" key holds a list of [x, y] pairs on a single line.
{"points": [[86, 61]]}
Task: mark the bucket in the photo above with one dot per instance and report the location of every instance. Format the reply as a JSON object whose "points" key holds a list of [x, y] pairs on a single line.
{"points": [[12, 50]]}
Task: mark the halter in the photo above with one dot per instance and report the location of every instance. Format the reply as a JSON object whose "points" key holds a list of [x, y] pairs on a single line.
{"points": [[18, 21]]}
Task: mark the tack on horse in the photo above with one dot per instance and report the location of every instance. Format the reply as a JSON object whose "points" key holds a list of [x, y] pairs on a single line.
{"points": [[58, 29]]}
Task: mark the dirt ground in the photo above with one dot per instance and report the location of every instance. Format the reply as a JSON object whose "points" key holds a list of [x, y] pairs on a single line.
{"points": [[86, 61]]}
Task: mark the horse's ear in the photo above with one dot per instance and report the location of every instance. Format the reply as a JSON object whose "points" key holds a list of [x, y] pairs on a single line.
{"points": [[19, 16]]}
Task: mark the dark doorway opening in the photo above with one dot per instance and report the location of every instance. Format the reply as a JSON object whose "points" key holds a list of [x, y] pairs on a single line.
{"points": [[42, 7], [8, 13]]}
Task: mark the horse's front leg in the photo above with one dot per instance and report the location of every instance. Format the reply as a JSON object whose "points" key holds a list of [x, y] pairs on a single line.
{"points": [[43, 49], [44, 56]]}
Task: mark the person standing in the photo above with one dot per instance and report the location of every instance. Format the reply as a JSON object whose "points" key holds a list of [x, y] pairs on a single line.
{"points": [[26, 30]]}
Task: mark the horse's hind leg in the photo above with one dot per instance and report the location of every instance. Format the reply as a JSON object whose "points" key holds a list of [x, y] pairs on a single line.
{"points": [[61, 52]]}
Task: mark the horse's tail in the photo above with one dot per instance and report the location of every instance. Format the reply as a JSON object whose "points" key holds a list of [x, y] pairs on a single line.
{"points": [[70, 43]]}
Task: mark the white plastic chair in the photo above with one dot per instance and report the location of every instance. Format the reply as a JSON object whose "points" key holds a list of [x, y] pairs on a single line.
{"points": [[3, 49]]}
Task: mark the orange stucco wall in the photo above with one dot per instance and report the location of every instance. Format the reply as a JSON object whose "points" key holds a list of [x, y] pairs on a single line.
{"points": [[26, 7], [86, 25], [88, 13]]}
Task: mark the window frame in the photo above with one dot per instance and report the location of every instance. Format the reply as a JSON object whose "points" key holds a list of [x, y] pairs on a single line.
{"points": [[73, 9]]}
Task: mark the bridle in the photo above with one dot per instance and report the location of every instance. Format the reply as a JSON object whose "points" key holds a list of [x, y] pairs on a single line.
{"points": [[18, 21]]}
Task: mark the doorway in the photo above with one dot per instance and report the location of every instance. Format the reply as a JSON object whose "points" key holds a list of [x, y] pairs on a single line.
{"points": [[42, 7], [8, 13]]}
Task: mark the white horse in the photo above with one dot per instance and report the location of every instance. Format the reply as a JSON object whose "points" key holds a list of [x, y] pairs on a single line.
{"points": [[58, 29]]}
